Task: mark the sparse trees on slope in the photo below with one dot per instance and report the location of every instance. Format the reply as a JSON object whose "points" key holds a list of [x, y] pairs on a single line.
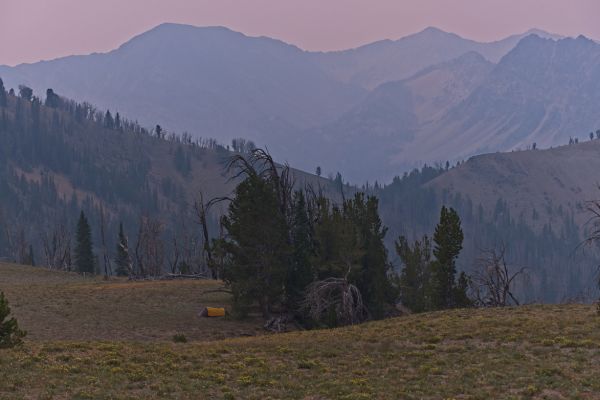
{"points": [[182, 161], [10, 334], [84, 255]]}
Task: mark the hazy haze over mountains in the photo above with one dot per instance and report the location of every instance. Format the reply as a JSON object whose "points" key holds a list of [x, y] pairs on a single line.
{"points": [[390, 60], [429, 97]]}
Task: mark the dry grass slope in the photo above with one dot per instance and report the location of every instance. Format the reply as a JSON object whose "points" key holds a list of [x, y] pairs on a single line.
{"points": [[65, 306], [537, 352]]}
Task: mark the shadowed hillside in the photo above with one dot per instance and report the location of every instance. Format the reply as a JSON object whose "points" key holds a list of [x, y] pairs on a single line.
{"points": [[533, 203], [64, 157]]}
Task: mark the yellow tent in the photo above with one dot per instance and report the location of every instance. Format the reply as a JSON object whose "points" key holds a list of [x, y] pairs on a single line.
{"points": [[214, 312]]}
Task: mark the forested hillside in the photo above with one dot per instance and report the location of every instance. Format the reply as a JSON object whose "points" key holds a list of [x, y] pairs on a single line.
{"points": [[58, 158], [533, 204]]}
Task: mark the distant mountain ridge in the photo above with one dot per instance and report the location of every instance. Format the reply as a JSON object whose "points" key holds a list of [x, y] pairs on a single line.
{"points": [[209, 81], [543, 92], [390, 60], [441, 97]]}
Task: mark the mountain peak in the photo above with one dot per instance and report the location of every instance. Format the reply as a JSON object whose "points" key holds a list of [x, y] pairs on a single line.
{"points": [[433, 32], [433, 29], [543, 34]]}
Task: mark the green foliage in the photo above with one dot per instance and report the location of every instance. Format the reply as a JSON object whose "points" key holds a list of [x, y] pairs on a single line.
{"points": [[349, 244], [461, 298], [428, 284], [84, 256], [416, 273], [10, 334], [448, 238], [257, 246], [278, 243], [373, 277], [179, 338], [301, 272]]}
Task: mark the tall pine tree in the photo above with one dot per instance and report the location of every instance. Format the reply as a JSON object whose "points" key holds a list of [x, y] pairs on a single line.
{"points": [[300, 273], [448, 239], [84, 255], [374, 278], [257, 246], [3, 101], [415, 275]]}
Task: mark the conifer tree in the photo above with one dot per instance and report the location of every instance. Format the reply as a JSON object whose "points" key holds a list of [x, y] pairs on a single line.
{"points": [[10, 334], [109, 122], [257, 246], [448, 239], [122, 259], [25, 92], [3, 101], [84, 256], [373, 280], [118, 121], [300, 273], [52, 99], [416, 273]]}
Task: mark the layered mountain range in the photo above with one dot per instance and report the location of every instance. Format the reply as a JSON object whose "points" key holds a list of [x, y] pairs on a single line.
{"points": [[369, 113]]}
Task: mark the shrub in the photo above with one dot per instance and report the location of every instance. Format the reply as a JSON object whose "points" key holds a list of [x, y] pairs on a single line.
{"points": [[179, 338], [10, 334]]}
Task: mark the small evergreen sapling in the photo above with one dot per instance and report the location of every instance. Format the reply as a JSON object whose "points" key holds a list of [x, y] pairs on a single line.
{"points": [[10, 334]]}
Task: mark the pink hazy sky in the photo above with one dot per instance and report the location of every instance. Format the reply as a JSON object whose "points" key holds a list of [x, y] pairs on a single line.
{"points": [[31, 30]]}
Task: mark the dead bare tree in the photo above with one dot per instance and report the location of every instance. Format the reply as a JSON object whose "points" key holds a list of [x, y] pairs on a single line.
{"points": [[201, 210], [14, 237], [57, 247], [492, 279], [105, 255], [338, 296], [174, 254], [260, 163], [149, 248], [593, 236]]}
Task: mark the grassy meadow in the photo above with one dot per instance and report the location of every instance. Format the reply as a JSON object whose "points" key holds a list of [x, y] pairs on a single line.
{"points": [[96, 339]]}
